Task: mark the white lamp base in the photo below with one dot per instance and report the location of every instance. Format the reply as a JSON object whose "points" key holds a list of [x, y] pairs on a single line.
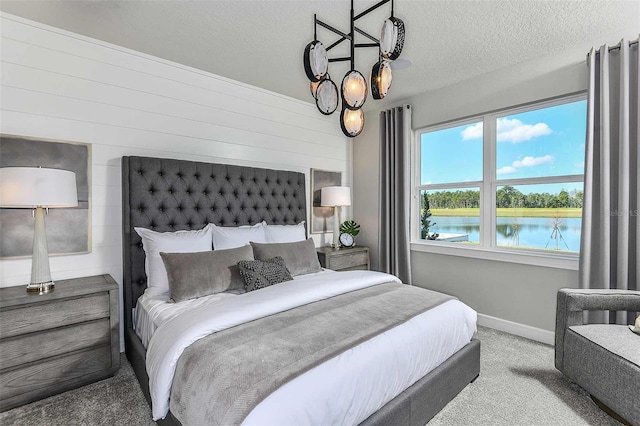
{"points": [[40, 272], [336, 228], [40, 288]]}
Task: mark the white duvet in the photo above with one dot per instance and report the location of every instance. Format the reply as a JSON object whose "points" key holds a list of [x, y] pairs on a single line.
{"points": [[345, 389]]}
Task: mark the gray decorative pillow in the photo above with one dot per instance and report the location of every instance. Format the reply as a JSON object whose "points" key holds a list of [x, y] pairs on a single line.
{"points": [[263, 273], [300, 257], [200, 274]]}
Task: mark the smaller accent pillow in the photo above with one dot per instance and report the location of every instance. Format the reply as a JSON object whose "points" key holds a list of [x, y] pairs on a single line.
{"points": [[200, 274], [300, 257], [263, 273], [284, 233], [227, 237]]}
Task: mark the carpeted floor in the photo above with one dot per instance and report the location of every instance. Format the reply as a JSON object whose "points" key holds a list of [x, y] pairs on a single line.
{"points": [[518, 385], [117, 401]]}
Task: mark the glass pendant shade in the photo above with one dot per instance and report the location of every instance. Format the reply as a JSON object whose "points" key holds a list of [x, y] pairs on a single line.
{"points": [[352, 122], [327, 96], [380, 79], [392, 38], [315, 60], [354, 90], [354, 87], [313, 87]]}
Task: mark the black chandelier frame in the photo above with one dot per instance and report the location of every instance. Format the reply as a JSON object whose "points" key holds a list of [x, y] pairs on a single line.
{"points": [[377, 92], [350, 36]]}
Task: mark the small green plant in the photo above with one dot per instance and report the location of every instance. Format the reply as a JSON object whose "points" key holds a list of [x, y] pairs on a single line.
{"points": [[350, 227]]}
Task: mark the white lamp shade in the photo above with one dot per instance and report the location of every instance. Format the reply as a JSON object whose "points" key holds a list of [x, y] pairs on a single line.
{"points": [[335, 196], [29, 187]]}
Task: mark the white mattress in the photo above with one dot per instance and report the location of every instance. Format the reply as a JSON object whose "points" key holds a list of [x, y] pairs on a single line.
{"points": [[344, 390]]}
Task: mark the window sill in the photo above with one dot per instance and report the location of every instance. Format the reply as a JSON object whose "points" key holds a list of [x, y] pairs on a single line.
{"points": [[568, 261]]}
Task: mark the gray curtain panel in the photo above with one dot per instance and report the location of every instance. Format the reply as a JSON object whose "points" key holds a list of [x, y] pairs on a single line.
{"points": [[394, 214], [609, 249]]}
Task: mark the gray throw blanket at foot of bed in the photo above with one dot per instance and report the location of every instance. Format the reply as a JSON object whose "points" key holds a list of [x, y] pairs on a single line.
{"points": [[219, 379]]}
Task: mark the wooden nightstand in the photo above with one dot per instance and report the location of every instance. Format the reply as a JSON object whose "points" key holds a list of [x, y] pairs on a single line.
{"points": [[344, 259], [57, 341]]}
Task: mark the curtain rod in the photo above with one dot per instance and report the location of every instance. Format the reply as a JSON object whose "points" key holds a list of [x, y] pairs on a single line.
{"points": [[618, 46], [615, 47]]}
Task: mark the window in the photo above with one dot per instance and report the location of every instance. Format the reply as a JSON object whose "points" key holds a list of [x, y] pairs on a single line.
{"points": [[510, 181]]}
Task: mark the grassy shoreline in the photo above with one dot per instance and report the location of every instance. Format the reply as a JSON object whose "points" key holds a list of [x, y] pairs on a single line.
{"points": [[513, 212]]}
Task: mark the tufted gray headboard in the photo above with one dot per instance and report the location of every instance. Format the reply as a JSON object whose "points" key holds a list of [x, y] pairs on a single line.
{"points": [[169, 195]]}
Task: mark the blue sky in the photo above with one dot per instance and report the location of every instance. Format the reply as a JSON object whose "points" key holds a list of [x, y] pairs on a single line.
{"points": [[544, 142]]}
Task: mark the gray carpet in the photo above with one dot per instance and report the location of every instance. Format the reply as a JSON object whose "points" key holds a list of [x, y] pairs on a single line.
{"points": [[518, 385], [117, 401]]}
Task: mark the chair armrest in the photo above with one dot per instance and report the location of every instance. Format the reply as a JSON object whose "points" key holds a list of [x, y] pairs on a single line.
{"points": [[571, 304], [599, 300]]}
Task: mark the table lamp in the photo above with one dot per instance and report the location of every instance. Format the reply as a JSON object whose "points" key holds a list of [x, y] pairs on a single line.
{"points": [[335, 196], [38, 188]]}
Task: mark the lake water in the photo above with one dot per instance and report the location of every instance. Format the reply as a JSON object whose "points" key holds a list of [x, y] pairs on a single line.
{"points": [[531, 232]]}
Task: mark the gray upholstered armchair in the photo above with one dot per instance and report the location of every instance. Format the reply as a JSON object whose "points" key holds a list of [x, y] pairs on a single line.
{"points": [[604, 359]]}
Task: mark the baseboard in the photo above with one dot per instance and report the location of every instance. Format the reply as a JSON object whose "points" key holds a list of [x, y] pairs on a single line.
{"points": [[522, 330]]}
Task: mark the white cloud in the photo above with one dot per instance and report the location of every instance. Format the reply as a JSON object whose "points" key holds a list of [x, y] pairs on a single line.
{"points": [[532, 161], [515, 131], [472, 132], [525, 162], [509, 130], [506, 170]]}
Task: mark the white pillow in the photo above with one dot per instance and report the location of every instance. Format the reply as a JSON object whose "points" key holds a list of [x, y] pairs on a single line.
{"points": [[228, 237], [285, 233], [169, 242]]}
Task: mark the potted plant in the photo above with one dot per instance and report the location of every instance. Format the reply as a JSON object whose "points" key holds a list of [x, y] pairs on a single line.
{"points": [[350, 227]]}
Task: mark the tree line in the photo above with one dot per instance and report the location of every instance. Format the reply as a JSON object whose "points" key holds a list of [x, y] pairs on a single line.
{"points": [[506, 197]]}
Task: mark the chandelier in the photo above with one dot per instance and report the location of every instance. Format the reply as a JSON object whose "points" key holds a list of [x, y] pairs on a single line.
{"points": [[353, 89]]}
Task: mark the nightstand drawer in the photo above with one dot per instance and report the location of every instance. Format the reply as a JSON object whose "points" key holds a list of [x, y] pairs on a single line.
{"points": [[37, 346], [348, 260], [39, 378], [57, 341], [40, 316], [344, 259], [357, 268]]}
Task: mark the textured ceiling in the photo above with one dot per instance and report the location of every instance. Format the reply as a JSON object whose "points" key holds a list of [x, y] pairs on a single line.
{"points": [[261, 42]]}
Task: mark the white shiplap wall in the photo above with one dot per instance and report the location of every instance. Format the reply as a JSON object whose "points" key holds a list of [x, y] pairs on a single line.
{"points": [[61, 85]]}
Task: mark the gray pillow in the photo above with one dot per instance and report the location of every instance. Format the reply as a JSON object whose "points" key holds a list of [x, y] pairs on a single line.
{"points": [[300, 257], [203, 273], [263, 273]]}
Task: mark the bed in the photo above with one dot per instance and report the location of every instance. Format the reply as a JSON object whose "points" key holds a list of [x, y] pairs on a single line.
{"points": [[167, 195]]}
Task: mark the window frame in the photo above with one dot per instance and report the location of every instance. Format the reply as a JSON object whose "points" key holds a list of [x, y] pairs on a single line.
{"points": [[487, 247]]}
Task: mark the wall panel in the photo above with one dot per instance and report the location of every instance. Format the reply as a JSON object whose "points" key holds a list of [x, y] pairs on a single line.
{"points": [[60, 85]]}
